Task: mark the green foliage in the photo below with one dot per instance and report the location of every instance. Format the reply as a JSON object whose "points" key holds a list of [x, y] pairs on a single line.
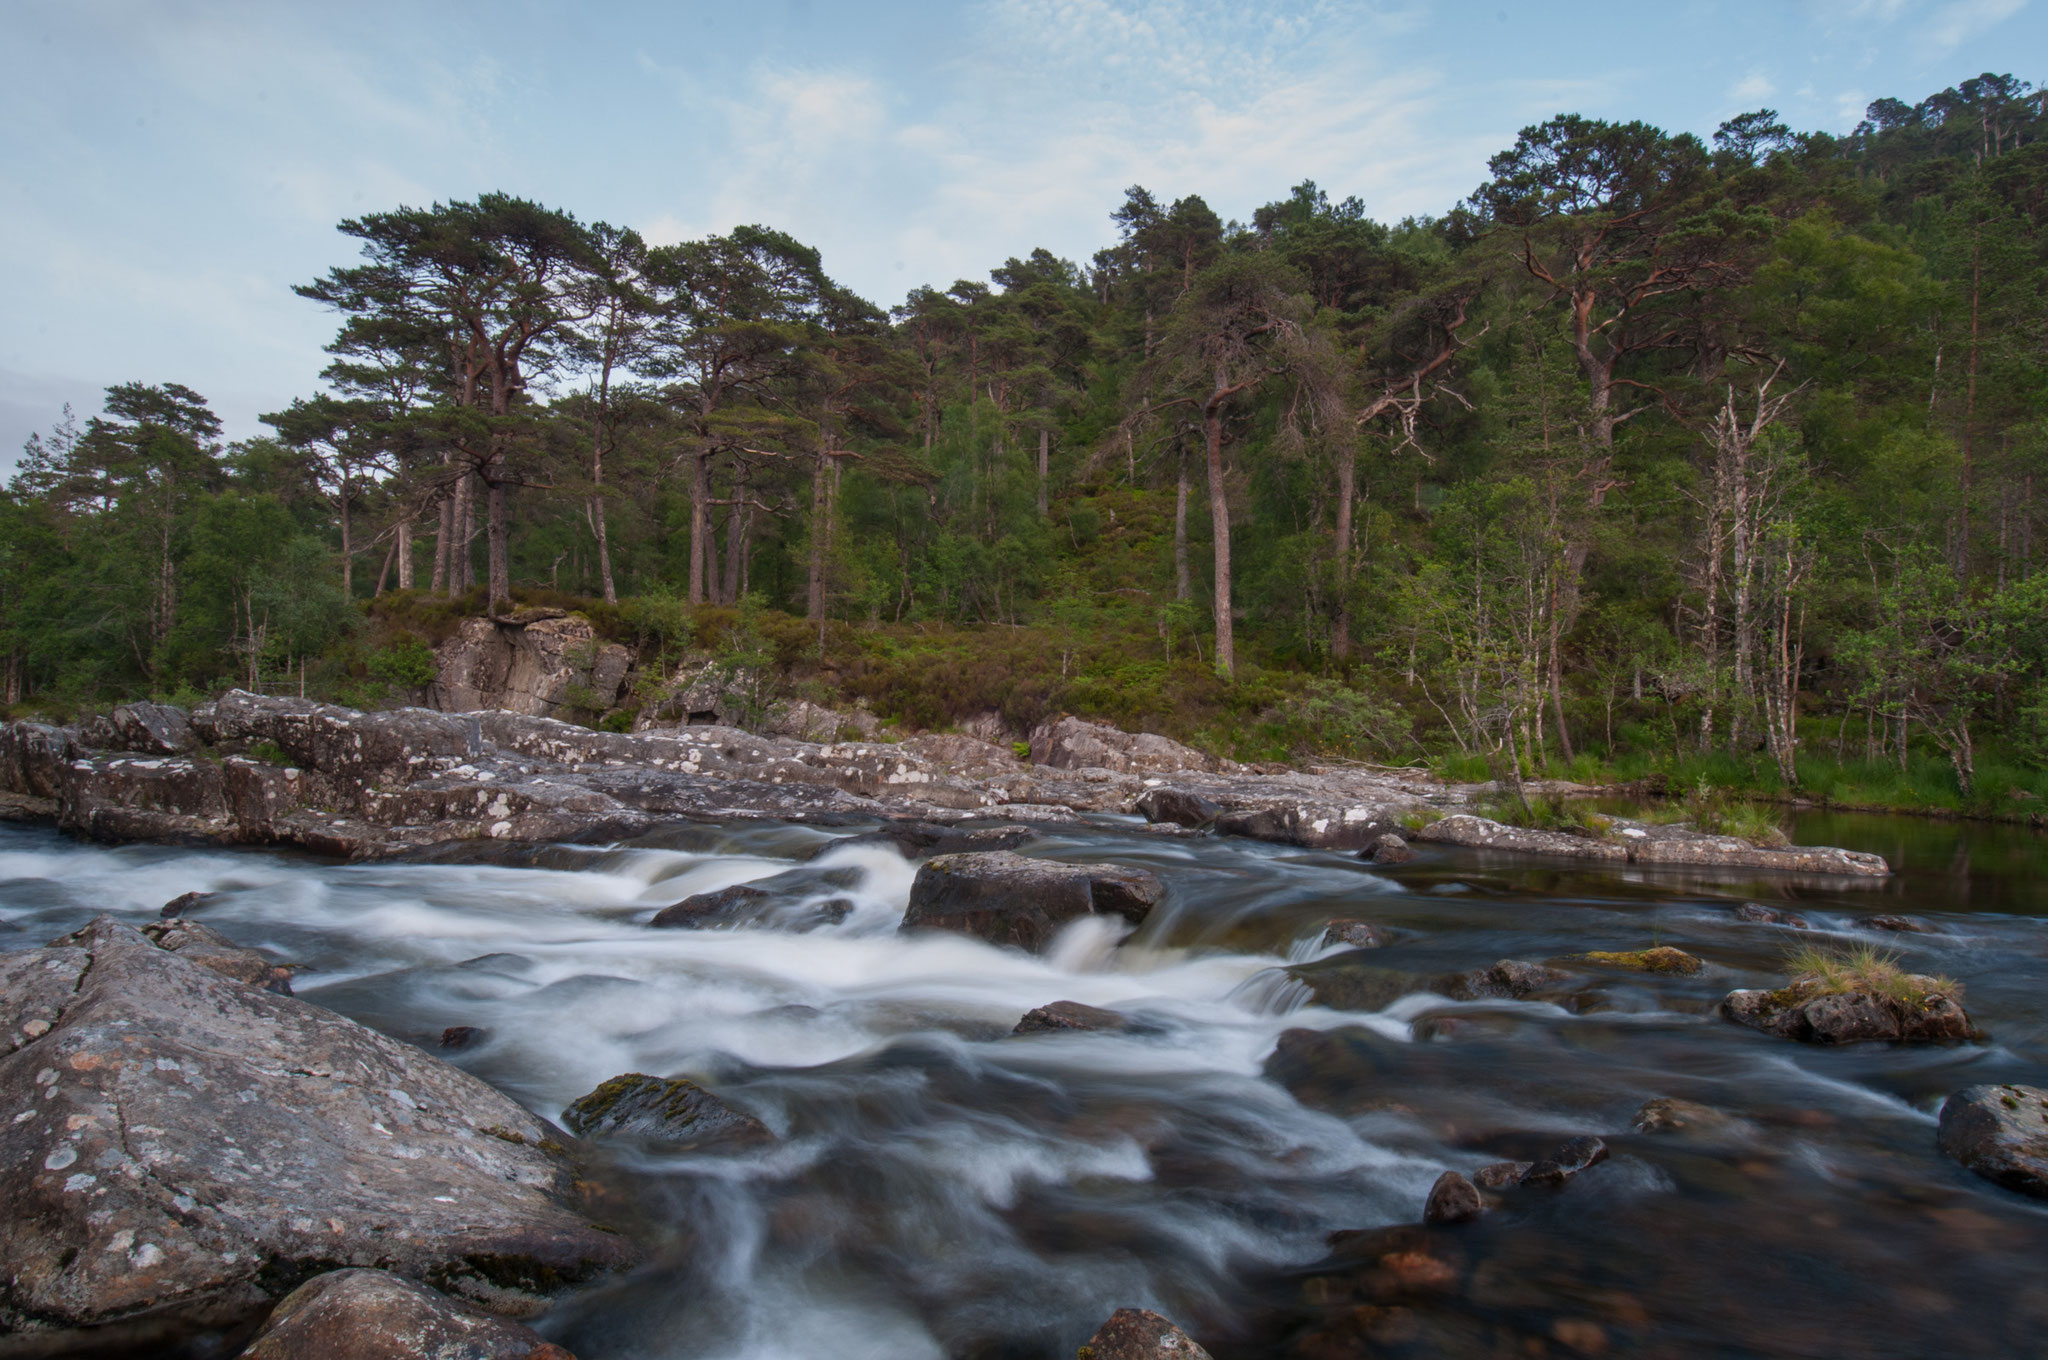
{"points": [[406, 661], [1333, 718]]}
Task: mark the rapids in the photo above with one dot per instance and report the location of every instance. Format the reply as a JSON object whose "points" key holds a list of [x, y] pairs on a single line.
{"points": [[942, 1189]]}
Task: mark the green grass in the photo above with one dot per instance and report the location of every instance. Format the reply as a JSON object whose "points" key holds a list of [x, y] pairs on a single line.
{"points": [[1817, 971], [1545, 812]]}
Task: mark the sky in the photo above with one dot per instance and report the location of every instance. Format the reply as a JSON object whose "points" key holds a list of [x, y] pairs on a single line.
{"points": [[173, 167]]}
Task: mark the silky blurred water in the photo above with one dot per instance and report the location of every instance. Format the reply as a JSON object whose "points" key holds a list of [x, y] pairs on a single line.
{"points": [[940, 1188]]}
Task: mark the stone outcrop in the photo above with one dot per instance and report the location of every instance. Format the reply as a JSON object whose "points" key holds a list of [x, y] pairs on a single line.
{"points": [[1652, 847], [1353, 933], [1920, 1012], [262, 770], [540, 662], [1140, 1334], [1007, 899], [2001, 1133], [374, 1315], [672, 1111], [185, 1148], [1071, 744]]}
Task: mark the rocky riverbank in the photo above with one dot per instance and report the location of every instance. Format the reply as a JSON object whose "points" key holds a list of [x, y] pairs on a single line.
{"points": [[249, 769]]}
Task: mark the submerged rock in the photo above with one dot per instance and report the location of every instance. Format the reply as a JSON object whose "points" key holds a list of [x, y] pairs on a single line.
{"points": [[1758, 914], [187, 1148], [1140, 1334], [1661, 959], [1006, 898], [374, 1315], [1453, 1199], [1345, 983], [1571, 1157], [1065, 1016], [1354, 933], [669, 1110], [724, 907], [1498, 1175], [1903, 925], [1920, 1012], [1669, 1115], [2001, 1133]]}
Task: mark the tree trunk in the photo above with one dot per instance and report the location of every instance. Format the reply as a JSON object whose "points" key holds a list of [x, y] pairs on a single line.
{"points": [[1219, 531], [499, 544], [1347, 489], [1044, 467], [1183, 589], [348, 552], [604, 551], [403, 543], [444, 542], [700, 521], [815, 597]]}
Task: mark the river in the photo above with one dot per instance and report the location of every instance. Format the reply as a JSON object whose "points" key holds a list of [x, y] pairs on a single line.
{"points": [[940, 1189]]}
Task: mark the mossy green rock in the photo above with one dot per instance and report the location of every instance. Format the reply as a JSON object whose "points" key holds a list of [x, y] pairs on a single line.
{"points": [[1662, 959], [669, 1110]]}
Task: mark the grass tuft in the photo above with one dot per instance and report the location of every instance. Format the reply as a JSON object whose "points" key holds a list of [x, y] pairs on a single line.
{"points": [[1817, 971]]}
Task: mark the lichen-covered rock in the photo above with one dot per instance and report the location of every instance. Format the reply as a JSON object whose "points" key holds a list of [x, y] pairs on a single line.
{"points": [[2001, 1133], [153, 729], [1659, 847], [1140, 1334], [208, 948], [1806, 1012], [541, 662], [1062, 1017], [669, 1110], [185, 1148], [362, 1314], [1006, 898], [1071, 744], [1481, 833]]}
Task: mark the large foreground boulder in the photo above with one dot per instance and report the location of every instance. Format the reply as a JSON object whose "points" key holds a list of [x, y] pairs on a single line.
{"points": [[375, 1315], [2001, 1133], [1009, 899], [183, 1148]]}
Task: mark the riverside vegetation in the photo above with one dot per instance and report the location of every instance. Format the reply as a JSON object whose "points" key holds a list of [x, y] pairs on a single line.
{"points": [[1654, 461]]}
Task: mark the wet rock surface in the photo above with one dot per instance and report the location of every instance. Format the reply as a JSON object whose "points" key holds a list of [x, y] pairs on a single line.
{"points": [[209, 948], [1072, 1017], [375, 1315], [1140, 1334], [1662, 958], [1802, 1011], [668, 1110], [1005, 898], [1353, 933], [1388, 848], [1453, 1199], [187, 1147], [2001, 1133]]}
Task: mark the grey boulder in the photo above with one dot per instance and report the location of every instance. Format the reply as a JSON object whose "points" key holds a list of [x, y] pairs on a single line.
{"points": [[2001, 1133], [1008, 899], [188, 1147], [374, 1315]]}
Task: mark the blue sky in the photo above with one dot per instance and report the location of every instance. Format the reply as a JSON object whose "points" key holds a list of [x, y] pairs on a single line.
{"points": [[172, 167]]}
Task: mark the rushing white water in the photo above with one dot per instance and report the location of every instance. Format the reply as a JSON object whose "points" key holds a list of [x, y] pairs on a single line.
{"points": [[941, 1187]]}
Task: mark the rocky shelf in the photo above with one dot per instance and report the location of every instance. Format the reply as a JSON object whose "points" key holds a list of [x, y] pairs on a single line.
{"points": [[251, 769]]}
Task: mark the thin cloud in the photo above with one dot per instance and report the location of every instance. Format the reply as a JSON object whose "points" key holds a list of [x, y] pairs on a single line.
{"points": [[1961, 20]]}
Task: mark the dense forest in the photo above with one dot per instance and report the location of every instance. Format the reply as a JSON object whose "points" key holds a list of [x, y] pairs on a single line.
{"points": [[1651, 452]]}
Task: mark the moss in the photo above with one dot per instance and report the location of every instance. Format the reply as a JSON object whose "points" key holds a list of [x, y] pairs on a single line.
{"points": [[1660, 959], [499, 1131]]}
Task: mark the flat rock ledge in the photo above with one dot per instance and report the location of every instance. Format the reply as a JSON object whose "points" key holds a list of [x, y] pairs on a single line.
{"points": [[1647, 846], [184, 1149], [2001, 1133], [1926, 1014], [263, 770]]}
